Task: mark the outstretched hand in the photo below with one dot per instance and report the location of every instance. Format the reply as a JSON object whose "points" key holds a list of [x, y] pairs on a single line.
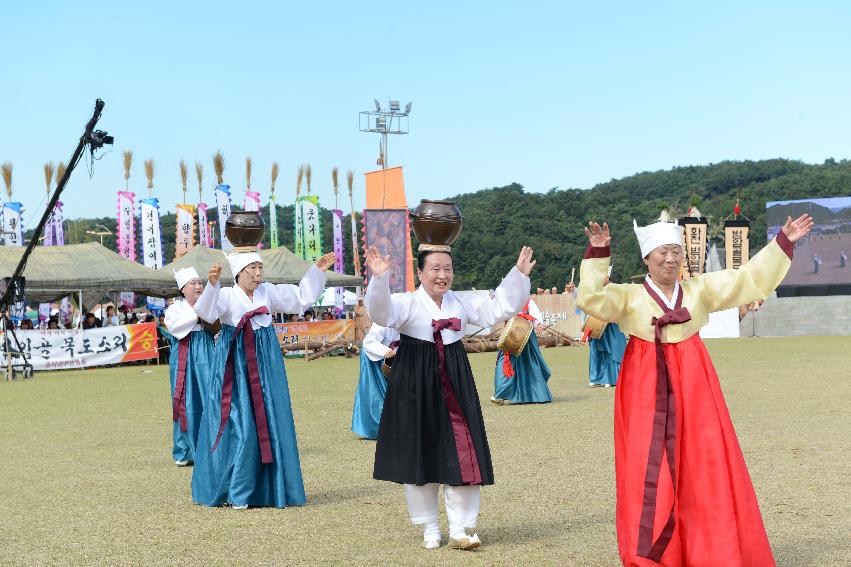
{"points": [[376, 263], [326, 261], [214, 274], [525, 263], [598, 237], [798, 228]]}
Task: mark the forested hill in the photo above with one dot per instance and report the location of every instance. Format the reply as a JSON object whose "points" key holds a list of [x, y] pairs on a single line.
{"points": [[498, 221]]}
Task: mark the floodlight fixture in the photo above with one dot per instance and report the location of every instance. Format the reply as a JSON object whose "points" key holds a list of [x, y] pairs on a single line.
{"points": [[408, 108], [394, 106], [377, 105]]}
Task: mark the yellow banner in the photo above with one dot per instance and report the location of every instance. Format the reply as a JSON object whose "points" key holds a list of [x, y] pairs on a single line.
{"points": [[736, 246], [694, 238], [315, 331]]}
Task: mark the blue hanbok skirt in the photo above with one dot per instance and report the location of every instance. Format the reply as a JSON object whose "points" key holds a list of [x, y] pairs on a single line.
{"points": [[234, 473], [531, 373], [369, 398], [606, 356], [199, 368]]}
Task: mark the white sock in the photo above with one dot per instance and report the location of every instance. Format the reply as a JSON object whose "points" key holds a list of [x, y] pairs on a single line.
{"points": [[457, 532], [431, 530]]}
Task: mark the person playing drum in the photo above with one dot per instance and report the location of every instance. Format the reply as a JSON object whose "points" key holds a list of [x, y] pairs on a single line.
{"points": [[684, 496], [522, 378], [379, 345]]}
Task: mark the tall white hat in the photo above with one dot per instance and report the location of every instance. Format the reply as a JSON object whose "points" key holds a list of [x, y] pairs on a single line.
{"points": [[658, 234], [239, 260], [184, 276]]}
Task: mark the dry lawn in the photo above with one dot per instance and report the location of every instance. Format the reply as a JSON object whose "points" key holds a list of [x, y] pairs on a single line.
{"points": [[86, 476]]}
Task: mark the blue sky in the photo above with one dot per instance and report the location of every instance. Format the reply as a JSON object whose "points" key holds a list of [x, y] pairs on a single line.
{"points": [[549, 95]]}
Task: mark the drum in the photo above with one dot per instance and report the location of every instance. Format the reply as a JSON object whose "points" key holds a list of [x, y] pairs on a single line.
{"points": [[593, 327], [515, 335], [386, 367]]}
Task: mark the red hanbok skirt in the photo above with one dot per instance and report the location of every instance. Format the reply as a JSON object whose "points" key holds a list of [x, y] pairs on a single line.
{"points": [[718, 523]]}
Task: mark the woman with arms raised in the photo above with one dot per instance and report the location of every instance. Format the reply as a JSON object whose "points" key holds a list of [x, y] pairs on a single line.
{"points": [[684, 496]]}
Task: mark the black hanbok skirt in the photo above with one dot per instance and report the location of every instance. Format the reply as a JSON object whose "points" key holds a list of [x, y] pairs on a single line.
{"points": [[416, 439]]}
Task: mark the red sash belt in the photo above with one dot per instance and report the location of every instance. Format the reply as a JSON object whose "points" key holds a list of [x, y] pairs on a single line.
{"points": [[254, 382], [663, 438], [178, 402], [467, 459]]}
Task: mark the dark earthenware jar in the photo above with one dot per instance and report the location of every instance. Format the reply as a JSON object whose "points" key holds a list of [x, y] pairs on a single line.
{"points": [[245, 228], [437, 222]]}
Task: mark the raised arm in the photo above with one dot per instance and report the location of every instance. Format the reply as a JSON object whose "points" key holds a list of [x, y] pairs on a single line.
{"points": [[606, 302], [386, 309], [288, 298], [508, 298], [758, 277], [213, 302]]}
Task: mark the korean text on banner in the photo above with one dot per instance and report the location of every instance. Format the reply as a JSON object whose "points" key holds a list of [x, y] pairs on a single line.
{"points": [[203, 226], [12, 231], [223, 206], [78, 348], [312, 227], [185, 229], [315, 331], [126, 225]]}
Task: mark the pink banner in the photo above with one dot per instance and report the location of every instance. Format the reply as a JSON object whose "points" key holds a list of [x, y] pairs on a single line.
{"points": [[203, 226], [126, 225], [252, 201]]}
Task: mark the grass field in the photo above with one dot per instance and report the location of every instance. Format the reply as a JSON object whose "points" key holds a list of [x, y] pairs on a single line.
{"points": [[86, 476]]}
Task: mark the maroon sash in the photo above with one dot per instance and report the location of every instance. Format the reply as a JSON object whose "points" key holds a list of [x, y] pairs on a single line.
{"points": [[664, 436], [467, 459], [178, 403], [254, 382]]}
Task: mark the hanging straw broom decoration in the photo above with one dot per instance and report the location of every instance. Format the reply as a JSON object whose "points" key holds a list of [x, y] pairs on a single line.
{"points": [[128, 161], [48, 176], [219, 167], [275, 169], [60, 172], [350, 180], [308, 173], [199, 172], [7, 178], [298, 179], [336, 184], [184, 172], [248, 174], [149, 173]]}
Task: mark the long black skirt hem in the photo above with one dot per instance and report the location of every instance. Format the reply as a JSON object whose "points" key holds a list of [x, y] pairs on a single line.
{"points": [[416, 443]]}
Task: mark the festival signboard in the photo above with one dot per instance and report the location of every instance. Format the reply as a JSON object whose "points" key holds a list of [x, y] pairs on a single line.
{"points": [[315, 331], [57, 349]]}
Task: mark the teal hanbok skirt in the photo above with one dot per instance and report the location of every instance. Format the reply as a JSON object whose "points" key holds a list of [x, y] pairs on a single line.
{"points": [[531, 373], [369, 398], [199, 368], [606, 356], [234, 473]]}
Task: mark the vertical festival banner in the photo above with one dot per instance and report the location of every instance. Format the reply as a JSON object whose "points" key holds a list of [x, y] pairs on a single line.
{"points": [[55, 223], [126, 229], [152, 248], [736, 246], [695, 232], [312, 227], [12, 230], [185, 239], [298, 247], [339, 302], [223, 207], [203, 226], [252, 201], [273, 222]]}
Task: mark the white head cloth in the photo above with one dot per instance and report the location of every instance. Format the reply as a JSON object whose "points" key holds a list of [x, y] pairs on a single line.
{"points": [[658, 234], [239, 260], [184, 276]]}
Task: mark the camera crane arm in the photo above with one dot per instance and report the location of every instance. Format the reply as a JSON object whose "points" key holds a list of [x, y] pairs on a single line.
{"points": [[90, 137]]}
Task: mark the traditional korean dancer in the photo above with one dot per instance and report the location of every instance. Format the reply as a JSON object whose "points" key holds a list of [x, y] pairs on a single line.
{"points": [[684, 496], [247, 451], [190, 365], [523, 379], [379, 345], [431, 429]]}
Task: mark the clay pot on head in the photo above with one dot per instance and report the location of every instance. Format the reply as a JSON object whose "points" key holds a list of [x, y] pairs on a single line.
{"points": [[437, 222], [245, 228]]}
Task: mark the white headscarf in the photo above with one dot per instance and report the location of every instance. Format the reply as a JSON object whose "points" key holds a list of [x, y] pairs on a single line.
{"points": [[658, 234], [239, 260], [184, 276]]}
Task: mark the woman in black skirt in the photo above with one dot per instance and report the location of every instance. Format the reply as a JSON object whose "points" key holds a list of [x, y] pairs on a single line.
{"points": [[431, 429]]}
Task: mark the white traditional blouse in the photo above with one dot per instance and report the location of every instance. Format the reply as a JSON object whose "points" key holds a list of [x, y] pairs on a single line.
{"points": [[229, 304], [181, 319], [412, 313], [377, 340]]}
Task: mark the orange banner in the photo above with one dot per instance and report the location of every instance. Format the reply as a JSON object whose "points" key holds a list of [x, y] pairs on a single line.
{"points": [[142, 342], [385, 189], [325, 331]]}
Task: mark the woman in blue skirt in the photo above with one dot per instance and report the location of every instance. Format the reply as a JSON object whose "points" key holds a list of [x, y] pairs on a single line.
{"points": [[190, 366], [379, 344], [523, 379], [247, 450], [605, 358]]}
